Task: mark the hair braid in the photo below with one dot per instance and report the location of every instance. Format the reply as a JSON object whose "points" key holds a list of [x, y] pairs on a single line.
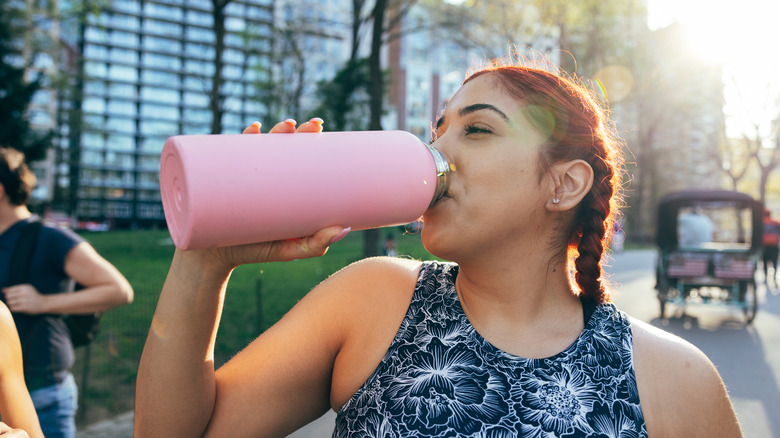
{"points": [[592, 218]]}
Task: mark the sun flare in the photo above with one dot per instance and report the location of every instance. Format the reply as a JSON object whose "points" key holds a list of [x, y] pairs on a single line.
{"points": [[742, 36]]}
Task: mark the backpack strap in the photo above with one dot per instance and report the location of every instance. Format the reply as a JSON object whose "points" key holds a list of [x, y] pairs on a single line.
{"points": [[21, 259]]}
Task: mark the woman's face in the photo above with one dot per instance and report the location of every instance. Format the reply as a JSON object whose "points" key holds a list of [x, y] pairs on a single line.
{"points": [[495, 199]]}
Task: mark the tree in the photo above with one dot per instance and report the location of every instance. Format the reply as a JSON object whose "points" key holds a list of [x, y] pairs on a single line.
{"points": [[19, 81], [216, 98]]}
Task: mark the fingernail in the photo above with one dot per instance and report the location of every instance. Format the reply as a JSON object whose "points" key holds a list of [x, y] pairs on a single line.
{"points": [[291, 122], [256, 123], [340, 235], [317, 120]]}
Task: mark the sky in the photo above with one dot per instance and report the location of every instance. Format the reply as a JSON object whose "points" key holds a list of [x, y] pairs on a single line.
{"points": [[745, 36]]}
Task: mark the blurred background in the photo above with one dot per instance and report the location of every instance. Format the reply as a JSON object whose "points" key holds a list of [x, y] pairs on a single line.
{"points": [[91, 89]]}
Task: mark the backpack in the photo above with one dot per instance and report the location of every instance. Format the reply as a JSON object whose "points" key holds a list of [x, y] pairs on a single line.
{"points": [[82, 328]]}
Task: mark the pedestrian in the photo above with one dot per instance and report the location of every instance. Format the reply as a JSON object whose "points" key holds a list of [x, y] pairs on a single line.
{"points": [[389, 247], [16, 407], [515, 335], [769, 245], [59, 256]]}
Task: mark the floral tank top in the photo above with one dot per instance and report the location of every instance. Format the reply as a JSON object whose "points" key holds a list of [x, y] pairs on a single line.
{"points": [[440, 378]]}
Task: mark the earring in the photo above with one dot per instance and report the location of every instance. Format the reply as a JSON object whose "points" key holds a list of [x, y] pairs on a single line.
{"points": [[555, 200]]}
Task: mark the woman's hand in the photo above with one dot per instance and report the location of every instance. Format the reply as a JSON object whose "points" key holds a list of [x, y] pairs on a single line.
{"points": [[7, 431], [282, 250]]}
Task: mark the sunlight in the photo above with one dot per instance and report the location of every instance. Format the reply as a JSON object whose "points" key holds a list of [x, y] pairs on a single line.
{"points": [[742, 36]]}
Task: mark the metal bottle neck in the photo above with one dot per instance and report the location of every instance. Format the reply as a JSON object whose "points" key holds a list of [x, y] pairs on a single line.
{"points": [[442, 174]]}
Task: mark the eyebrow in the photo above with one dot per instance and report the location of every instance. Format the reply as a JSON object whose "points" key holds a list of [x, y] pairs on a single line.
{"points": [[474, 108]]}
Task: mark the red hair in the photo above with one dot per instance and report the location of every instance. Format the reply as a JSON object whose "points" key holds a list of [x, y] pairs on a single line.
{"points": [[576, 127]]}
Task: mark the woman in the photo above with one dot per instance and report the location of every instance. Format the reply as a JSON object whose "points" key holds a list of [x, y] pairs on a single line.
{"points": [[16, 408], [502, 343]]}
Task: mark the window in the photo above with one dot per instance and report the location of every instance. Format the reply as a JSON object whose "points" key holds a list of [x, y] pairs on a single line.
{"points": [[92, 158], [160, 78], [118, 142], [124, 39], [121, 107], [94, 105], [121, 160], [200, 18], [196, 99], [149, 127], [123, 72], [123, 55], [161, 11], [95, 69], [199, 68], [118, 89], [161, 45], [131, 6], [153, 60], [199, 35], [200, 51], [166, 112], [153, 144], [95, 52], [160, 95], [162, 28], [197, 116], [150, 211], [125, 22]]}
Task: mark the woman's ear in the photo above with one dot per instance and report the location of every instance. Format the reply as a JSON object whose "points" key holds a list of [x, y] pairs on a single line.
{"points": [[571, 181]]}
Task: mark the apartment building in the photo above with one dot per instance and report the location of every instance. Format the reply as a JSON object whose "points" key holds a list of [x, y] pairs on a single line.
{"points": [[148, 67]]}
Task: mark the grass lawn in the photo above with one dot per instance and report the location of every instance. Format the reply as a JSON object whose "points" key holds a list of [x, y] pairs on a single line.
{"points": [[257, 296]]}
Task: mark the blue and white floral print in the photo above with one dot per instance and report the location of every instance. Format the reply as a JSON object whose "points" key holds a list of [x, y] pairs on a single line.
{"points": [[440, 378]]}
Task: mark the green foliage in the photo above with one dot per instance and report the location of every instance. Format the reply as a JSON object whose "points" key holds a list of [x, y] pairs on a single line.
{"points": [[344, 99], [144, 257], [16, 91]]}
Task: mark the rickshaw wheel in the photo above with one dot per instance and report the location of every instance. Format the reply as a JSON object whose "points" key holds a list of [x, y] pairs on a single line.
{"points": [[750, 301]]}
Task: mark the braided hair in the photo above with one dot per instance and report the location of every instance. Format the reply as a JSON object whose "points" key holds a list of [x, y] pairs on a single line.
{"points": [[575, 126]]}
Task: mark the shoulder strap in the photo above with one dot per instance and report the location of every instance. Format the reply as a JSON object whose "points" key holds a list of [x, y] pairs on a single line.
{"points": [[21, 259]]}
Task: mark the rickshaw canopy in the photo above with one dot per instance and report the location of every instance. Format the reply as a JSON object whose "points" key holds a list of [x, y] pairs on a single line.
{"points": [[671, 204]]}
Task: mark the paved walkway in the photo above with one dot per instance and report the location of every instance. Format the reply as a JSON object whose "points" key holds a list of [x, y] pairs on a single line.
{"points": [[121, 426]]}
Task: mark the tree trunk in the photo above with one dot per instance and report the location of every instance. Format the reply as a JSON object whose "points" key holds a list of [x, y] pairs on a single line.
{"points": [[215, 98], [376, 91]]}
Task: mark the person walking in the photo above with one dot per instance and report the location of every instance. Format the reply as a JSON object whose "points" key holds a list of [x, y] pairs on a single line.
{"points": [[60, 256]]}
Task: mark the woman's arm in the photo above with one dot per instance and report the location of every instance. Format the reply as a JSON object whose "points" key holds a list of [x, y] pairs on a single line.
{"points": [[177, 389], [104, 287], [16, 407], [680, 390]]}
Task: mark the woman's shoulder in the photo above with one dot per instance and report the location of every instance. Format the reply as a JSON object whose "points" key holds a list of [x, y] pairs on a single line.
{"points": [[676, 382]]}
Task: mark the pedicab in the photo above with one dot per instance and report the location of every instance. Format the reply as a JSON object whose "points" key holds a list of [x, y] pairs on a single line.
{"points": [[709, 242]]}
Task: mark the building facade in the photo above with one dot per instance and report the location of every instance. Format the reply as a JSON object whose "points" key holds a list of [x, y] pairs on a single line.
{"points": [[146, 74]]}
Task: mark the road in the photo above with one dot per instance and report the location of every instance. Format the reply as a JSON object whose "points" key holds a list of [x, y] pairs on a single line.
{"points": [[748, 357]]}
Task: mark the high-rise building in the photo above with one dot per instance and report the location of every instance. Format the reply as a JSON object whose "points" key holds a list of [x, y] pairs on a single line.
{"points": [[148, 68]]}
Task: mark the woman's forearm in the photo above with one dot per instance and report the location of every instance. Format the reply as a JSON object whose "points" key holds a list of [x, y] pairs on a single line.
{"points": [[175, 389]]}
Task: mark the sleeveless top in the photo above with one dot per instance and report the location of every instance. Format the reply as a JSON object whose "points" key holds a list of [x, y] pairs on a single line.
{"points": [[440, 378]]}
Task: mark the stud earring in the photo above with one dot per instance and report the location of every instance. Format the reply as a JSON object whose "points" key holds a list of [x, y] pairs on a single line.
{"points": [[555, 200]]}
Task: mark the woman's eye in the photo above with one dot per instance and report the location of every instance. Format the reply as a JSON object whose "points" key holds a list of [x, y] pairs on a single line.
{"points": [[474, 129]]}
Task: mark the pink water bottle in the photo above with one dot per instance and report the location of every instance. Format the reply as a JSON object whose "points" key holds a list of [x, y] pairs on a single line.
{"points": [[220, 190]]}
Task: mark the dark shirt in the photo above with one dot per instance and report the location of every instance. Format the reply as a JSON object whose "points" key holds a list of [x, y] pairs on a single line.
{"points": [[46, 346]]}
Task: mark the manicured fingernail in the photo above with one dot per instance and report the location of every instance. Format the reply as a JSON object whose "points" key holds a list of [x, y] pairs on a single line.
{"points": [[317, 120], [291, 122], [258, 124], [340, 235]]}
